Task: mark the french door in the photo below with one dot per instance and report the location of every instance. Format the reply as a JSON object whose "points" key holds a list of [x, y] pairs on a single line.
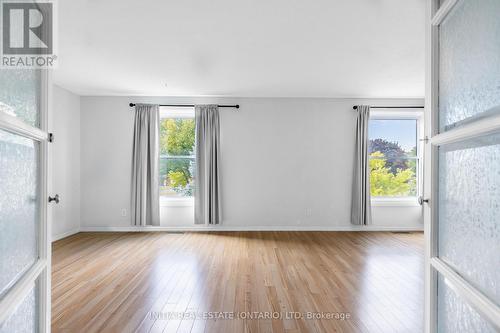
{"points": [[24, 235], [462, 184]]}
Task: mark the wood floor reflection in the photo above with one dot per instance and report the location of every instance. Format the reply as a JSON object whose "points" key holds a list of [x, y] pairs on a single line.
{"points": [[238, 282]]}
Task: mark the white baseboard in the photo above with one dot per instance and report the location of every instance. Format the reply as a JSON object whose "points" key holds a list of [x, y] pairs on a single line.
{"points": [[65, 234], [251, 228]]}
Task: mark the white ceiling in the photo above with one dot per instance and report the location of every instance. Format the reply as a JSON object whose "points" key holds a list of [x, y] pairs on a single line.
{"points": [[245, 48]]}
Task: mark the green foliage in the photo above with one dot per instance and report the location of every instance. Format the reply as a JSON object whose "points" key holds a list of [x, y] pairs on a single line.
{"points": [[177, 178], [384, 182], [177, 136], [395, 155]]}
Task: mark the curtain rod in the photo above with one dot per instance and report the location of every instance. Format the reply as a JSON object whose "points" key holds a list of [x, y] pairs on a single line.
{"points": [[355, 107], [237, 106]]}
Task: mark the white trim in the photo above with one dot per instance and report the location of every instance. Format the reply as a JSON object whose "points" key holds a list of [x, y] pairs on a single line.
{"points": [[65, 234], [467, 131], [430, 165], [396, 114], [176, 112], [204, 228], [394, 202], [45, 229], [443, 12], [17, 293], [176, 202], [480, 302], [17, 126], [45, 226]]}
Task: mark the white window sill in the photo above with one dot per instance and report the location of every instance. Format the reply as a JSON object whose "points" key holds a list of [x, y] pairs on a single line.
{"points": [[176, 202], [395, 202]]}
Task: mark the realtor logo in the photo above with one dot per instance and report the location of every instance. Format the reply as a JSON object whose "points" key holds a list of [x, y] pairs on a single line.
{"points": [[27, 34]]}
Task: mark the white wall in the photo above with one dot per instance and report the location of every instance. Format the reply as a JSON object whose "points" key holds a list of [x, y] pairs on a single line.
{"points": [[286, 163], [64, 122]]}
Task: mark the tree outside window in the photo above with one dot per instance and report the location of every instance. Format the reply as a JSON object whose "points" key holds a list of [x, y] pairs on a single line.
{"points": [[393, 157], [177, 157]]}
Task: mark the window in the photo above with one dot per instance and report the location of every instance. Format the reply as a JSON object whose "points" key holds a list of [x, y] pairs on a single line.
{"points": [[177, 154], [394, 155]]}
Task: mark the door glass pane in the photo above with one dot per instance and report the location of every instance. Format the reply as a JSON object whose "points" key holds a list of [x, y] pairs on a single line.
{"points": [[20, 94], [25, 317], [455, 315], [469, 211], [19, 206], [469, 63]]}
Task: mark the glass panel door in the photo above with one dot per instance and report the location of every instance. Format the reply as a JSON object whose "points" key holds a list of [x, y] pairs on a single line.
{"points": [[463, 215], [24, 242], [19, 201]]}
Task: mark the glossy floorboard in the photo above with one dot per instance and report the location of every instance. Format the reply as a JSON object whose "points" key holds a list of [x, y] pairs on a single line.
{"points": [[171, 282]]}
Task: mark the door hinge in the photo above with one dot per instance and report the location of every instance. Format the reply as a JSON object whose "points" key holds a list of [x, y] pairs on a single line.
{"points": [[51, 137]]}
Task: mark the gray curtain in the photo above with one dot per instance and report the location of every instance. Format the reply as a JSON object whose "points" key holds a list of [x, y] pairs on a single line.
{"points": [[361, 206], [145, 206], [207, 200]]}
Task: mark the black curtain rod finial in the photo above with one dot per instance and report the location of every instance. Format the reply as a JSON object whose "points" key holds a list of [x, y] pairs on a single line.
{"points": [[131, 105]]}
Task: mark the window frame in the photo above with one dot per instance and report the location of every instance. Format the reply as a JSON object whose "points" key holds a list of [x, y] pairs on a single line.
{"points": [[183, 113], [400, 114], [40, 271]]}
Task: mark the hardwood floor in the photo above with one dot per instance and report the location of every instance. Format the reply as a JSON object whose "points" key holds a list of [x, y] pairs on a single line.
{"points": [[157, 282]]}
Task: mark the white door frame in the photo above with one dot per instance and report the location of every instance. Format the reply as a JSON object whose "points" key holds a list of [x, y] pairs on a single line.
{"points": [[433, 264], [42, 267]]}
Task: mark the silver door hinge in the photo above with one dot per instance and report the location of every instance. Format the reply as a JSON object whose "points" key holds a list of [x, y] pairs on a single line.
{"points": [[426, 139]]}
